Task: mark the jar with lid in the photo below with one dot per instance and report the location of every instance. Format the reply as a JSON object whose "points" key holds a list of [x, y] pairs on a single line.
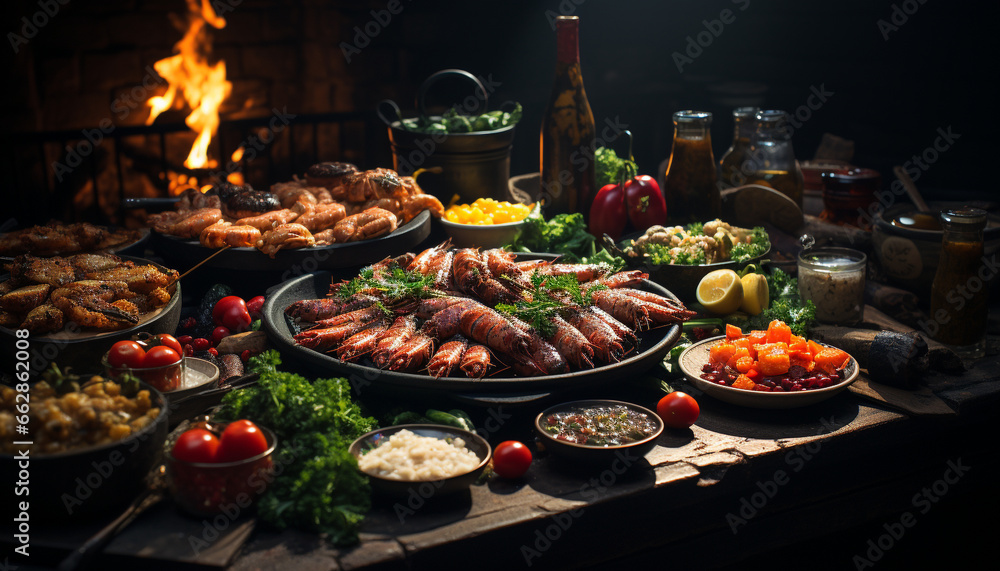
{"points": [[731, 164], [771, 161], [689, 184], [959, 296], [848, 193], [834, 280]]}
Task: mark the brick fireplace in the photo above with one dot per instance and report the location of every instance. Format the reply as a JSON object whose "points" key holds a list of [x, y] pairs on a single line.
{"points": [[88, 71]]}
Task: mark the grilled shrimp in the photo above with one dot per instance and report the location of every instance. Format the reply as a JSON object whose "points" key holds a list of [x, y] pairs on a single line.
{"points": [[362, 342], [638, 313], [572, 344], [404, 327], [319, 309], [607, 343], [623, 279], [324, 338], [363, 315], [447, 357], [583, 272], [424, 261], [544, 357], [475, 362], [412, 354]]}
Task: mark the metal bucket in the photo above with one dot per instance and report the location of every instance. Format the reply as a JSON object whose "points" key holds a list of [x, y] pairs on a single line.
{"points": [[471, 165]]}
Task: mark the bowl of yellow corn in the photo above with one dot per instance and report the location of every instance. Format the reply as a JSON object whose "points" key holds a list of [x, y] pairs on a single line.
{"points": [[485, 223]]}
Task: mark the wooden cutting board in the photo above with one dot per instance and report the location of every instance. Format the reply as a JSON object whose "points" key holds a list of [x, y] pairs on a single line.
{"points": [[753, 204]]}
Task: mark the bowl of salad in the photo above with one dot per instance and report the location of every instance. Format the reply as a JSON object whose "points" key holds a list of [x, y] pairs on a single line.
{"points": [[678, 257]]}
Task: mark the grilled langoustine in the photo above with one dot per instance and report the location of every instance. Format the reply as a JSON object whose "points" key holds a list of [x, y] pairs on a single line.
{"points": [[453, 326]]}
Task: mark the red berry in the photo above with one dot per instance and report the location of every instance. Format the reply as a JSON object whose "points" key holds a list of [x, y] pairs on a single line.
{"points": [[188, 350], [245, 355], [184, 340], [201, 344], [218, 334], [213, 351], [189, 323], [255, 305]]}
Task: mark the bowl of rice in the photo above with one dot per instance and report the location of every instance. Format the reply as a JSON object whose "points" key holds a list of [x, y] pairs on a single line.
{"points": [[428, 459]]}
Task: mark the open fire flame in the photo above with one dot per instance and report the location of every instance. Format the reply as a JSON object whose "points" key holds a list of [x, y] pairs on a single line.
{"points": [[202, 86]]}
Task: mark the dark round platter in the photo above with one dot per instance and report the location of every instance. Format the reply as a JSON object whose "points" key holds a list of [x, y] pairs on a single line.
{"points": [[186, 252], [654, 345]]}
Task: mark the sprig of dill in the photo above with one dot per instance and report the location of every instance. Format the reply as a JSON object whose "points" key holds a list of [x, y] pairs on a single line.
{"points": [[397, 284], [549, 295]]}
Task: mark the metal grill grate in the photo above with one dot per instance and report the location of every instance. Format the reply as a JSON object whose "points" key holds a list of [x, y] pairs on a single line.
{"points": [[41, 187]]}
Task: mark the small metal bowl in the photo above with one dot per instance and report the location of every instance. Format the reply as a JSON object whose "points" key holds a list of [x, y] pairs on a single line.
{"points": [[596, 453], [425, 488]]}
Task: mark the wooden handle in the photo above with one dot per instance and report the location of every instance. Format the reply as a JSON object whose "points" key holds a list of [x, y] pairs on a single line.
{"points": [[911, 189]]}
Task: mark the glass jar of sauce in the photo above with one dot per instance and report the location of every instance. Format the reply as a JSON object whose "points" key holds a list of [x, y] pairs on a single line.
{"points": [[689, 184], [834, 280], [847, 194], [771, 159], [959, 293]]}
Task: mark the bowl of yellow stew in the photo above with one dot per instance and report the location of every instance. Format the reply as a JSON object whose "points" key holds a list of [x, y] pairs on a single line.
{"points": [[485, 223]]}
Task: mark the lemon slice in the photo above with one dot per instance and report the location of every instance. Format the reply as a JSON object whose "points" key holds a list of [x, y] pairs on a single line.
{"points": [[720, 291], [755, 294]]}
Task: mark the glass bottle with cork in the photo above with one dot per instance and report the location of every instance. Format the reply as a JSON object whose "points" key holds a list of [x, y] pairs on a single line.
{"points": [[567, 186], [771, 158], [689, 185], [959, 295], [731, 164]]}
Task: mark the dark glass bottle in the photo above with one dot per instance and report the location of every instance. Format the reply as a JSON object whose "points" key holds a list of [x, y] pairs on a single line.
{"points": [[959, 295], [689, 184], [731, 164], [568, 131]]}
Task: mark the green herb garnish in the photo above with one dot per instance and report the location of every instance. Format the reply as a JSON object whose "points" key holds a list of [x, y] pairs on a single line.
{"points": [[757, 245], [395, 285], [318, 487]]}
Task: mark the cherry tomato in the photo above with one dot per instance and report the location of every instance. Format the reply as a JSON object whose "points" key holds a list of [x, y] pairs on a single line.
{"points": [[218, 334], [645, 203], [240, 440], [231, 312], [607, 212], [511, 459], [160, 356], [196, 445], [126, 354], [167, 340], [678, 410], [255, 305]]}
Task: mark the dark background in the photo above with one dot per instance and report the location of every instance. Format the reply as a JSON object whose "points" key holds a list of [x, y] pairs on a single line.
{"points": [[890, 95]]}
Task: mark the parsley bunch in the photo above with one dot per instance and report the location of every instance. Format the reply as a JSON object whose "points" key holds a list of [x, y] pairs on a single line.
{"points": [[318, 486]]}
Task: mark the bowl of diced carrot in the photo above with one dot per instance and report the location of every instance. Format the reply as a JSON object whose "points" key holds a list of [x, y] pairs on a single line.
{"points": [[771, 368]]}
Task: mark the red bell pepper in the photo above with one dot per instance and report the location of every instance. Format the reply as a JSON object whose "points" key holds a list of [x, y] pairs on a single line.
{"points": [[607, 212], [645, 203]]}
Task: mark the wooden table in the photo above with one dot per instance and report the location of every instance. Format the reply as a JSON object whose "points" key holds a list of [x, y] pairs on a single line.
{"points": [[741, 487]]}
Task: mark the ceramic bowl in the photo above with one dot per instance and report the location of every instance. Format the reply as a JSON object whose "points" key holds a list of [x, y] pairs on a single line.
{"points": [[438, 487], [205, 489], [696, 356], [482, 235], [909, 256], [595, 453]]}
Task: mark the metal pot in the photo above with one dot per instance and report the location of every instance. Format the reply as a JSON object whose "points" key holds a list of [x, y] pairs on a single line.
{"points": [[471, 165], [97, 480]]}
